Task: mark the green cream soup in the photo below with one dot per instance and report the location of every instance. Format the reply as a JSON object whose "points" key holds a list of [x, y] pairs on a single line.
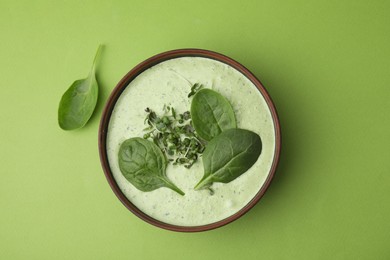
{"points": [[168, 83]]}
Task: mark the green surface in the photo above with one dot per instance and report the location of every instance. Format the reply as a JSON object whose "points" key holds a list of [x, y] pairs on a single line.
{"points": [[325, 64]]}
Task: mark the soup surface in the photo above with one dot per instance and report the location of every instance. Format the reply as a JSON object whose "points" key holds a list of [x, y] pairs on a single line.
{"points": [[168, 83]]}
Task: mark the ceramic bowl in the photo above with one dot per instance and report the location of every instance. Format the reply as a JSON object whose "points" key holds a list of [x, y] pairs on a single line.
{"points": [[123, 84]]}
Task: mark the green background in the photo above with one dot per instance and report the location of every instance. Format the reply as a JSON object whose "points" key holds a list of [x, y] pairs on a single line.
{"points": [[325, 64]]}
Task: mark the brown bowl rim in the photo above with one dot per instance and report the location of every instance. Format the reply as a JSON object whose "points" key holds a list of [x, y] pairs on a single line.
{"points": [[131, 75]]}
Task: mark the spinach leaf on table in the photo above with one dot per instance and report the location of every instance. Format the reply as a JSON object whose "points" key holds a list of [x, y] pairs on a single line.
{"points": [[211, 114], [143, 164], [229, 155], [79, 101]]}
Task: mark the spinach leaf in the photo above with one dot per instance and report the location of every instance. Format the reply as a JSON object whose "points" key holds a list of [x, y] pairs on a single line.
{"points": [[143, 164], [211, 114], [79, 101], [229, 155]]}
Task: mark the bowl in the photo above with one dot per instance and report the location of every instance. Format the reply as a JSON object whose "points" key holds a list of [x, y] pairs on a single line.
{"points": [[109, 139]]}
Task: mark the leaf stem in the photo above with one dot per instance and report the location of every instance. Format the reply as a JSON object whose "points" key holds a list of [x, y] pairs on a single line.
{"points": [[97, 55], [173, 187], [181, 76], [202, 184]]}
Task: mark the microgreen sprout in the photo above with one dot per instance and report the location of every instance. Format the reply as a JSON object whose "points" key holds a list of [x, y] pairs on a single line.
{"points": [[174, 134]]}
